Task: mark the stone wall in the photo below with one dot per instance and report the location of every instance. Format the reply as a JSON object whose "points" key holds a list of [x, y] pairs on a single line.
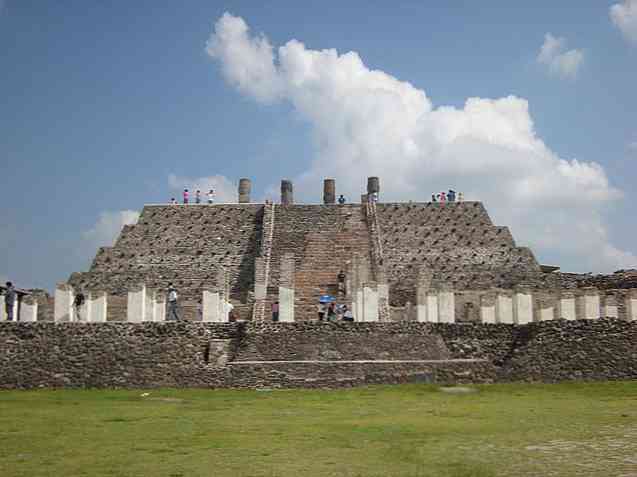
{"points": [[310, 354]]}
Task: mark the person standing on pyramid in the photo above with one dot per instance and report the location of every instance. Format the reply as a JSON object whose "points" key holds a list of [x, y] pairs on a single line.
{"points": [[198, 197], [186, 194], [211, 196], [172, 303]]}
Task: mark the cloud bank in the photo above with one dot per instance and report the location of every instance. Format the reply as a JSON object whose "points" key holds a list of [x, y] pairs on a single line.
{"points": [[560, 61], [366, 122], [624, 16], [107, 228]]}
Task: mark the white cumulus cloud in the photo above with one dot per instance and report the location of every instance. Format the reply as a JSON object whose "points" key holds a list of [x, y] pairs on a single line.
{"points": [[624, 16], [366, 122], [107, 228], [560, 61], [224, 189]]}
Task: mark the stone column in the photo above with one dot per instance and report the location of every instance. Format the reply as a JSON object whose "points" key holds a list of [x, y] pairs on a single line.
{"points": [[211, 306], [567, 306], [545, 309], [487, 308], [504, 307], [245, 187], [421, 304], [63, 306], [631, 304], [329, 191], [610, 310], [370, 301], [136, 306], [287, 193], [150, 305], [446, 305], [286, 288], [373, 185], [3, 312], [522, 306], [222, 288], [432, 306], [28, 308], [160, 305], [99, 306], [587, 307]]}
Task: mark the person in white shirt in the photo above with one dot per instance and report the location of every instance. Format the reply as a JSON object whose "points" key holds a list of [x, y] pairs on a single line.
{"points": [[211, 196], [172, 303]]}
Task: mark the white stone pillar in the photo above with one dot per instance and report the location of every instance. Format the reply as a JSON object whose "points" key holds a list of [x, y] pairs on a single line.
{"points": [[421, 304], [286, 288], [212, 308], [545, 307], [487, 308], [587, 305], [136, 306], [160, 305], [150, 305], [3, 312], [522, 306], [99, 306], [370, 301], [446, 306], [567, 306], [28, 309], [432, 307], [504, 307], [631, 304], [63, 306], [546, 313], [610, 310]]}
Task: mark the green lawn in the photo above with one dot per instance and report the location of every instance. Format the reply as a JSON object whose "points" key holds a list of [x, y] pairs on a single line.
{"points": [[413, 430]]}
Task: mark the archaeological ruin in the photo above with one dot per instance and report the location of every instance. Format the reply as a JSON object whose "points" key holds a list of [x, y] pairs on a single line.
{"points": [[437, 291]]}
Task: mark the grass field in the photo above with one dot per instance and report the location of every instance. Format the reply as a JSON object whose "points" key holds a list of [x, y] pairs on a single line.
{"points": [[575, 429]]}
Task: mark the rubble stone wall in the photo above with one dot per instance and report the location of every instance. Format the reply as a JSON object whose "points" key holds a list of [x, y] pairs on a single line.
{"points": [[252, 355]]}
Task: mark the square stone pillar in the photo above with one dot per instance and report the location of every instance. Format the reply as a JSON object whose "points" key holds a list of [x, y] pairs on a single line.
{"points": [[286, 288], [421, 304], [99, 306], [546, 309], [587, 304], [28, 308], [631, 304], [567, 306], [610, 308], [160, 305], [212, 306], [370, 301], [522, 306], [63, 306], [487, 308], [136, 306], [3, 312], [150, 305], [446, 305], [432, 306], [504, 307]]}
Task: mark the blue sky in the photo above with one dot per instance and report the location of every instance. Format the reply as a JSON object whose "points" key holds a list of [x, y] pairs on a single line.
{"points": [[104, 102]]}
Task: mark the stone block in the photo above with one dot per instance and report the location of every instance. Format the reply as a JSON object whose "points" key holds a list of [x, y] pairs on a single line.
{"points": [[136, 305], [631, 305], [446, 306], [370, 302], [610, 308], [522, 307], [28, 309], [487, 308], [149, 307], [99, 306], [63, 306], [160, 306], [587, 304], [432, 307], [212, 307], [567, 306], [421, 304], [504, 308]]}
